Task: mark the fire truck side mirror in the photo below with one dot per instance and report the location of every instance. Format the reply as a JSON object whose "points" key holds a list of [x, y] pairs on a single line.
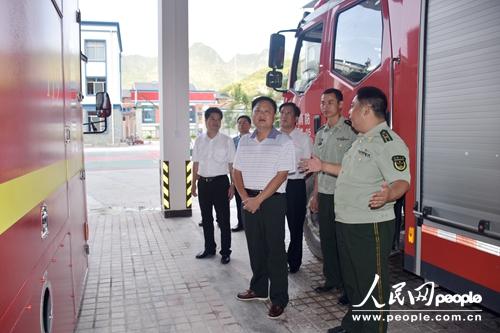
{"points": [[274, 79], [103, 105], [103, 110], [276, 51]]}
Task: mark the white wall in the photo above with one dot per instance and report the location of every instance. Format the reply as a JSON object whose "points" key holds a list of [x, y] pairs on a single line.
{"points": [[112, 71]]}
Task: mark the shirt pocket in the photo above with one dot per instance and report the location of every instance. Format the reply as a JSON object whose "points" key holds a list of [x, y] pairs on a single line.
{"points": [[220, 155], [342, 144], [364, 168]]}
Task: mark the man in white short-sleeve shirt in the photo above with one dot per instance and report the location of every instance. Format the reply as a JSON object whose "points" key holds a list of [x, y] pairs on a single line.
{"points": [[213, 155], [261, 166], [296, 196], [244, 123]]}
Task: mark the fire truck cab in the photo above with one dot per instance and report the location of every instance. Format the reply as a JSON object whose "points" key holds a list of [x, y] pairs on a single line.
{"points": [[437, 62]]}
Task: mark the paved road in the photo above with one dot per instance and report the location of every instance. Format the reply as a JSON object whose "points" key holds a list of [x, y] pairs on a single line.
{"points": [[123, 158], [143, 276]]}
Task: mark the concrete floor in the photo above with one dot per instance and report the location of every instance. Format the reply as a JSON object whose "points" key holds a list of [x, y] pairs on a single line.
{"points": [[143, 276]]}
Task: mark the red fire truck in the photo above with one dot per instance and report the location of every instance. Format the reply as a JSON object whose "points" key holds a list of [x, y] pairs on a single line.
{"points": [[43, 221], [438, 62]]}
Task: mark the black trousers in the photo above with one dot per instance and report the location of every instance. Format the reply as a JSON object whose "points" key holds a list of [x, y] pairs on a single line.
{"points": [[398, 212], [265, 232], [213, 193], [364, 251], [328, 239], [296, 201], [238, 209]]}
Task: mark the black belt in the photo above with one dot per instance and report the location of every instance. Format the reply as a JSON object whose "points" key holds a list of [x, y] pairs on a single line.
{"points": [[210, 179], [254, 193]]}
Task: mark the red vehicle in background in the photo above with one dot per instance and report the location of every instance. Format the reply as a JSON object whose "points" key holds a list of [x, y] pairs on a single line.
{"points": [[43, 219], [438, 63]]}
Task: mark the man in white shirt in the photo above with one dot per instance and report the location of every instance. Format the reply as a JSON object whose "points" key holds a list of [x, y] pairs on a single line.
{"points": [[213, 155], [261, 166], [244, 123], [296, 197]]}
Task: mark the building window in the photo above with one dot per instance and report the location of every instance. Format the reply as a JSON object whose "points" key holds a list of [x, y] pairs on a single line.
{"points": [[358, 42], [95, 85], [307, 63], [148, 115], [95, 50]]}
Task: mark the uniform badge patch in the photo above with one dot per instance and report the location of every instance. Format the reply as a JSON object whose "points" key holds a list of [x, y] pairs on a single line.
{"points": [[385, 136], [399, 162]]}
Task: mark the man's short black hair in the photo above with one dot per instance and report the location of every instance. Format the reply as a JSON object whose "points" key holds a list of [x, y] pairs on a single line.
{"points": [[211, 110], [375, 98], [338, 93], [264, 98], [244, 116], [296, 109]]}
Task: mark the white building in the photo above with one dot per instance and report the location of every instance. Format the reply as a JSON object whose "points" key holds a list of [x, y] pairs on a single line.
{"points": [[102, 47]]}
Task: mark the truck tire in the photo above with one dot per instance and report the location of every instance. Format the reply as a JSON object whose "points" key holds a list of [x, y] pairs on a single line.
{"points": [[311, 224]]}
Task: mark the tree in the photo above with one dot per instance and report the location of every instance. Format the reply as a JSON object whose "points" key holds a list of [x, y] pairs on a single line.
{"points": [[239, 98], [239, 104]]}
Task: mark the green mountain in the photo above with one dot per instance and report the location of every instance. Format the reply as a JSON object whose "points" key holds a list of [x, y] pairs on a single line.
{"points": [[255, 85], [136, 68], [207, 70]]}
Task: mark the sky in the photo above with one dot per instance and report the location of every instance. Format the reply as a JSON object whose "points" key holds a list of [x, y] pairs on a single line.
{"points": [[228, 26]]}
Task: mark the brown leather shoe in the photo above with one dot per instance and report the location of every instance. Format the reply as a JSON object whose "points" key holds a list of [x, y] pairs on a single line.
{"points": [[275, 311], [249, 295]]}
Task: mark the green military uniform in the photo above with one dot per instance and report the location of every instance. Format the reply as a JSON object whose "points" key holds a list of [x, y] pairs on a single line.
{"points": [[330, 145], [365, 234]]}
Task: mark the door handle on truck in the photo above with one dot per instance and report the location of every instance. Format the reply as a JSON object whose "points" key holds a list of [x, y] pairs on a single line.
{"points": [[44, 217], [482, 226]]}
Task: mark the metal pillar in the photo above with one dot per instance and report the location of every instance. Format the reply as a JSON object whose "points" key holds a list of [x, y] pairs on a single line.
{"points": [[173, 61]]}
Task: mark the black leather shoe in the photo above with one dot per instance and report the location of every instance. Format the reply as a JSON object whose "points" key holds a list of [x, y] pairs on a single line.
{"points": [[225, 259], [322, 289], [293, 270], [275, 311], [238, 228], [337, 329], [343, 300], [205, 254]]}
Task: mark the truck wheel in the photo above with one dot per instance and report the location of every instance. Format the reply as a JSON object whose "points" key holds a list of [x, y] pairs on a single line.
{"points": [[311, 224]]}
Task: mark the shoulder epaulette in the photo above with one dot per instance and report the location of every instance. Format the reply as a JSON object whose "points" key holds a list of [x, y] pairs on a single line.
{"points": [[348, 123], [385, 136]]}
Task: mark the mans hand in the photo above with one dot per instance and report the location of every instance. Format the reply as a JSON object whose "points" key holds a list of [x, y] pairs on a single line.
{"points": [[251, 205], [230, 192], [380, 198], [313, 204], [312, 164]]}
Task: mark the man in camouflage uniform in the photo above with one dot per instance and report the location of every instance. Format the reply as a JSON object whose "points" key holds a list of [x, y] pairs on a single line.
{"points": [[373, 175], [330, 145]]}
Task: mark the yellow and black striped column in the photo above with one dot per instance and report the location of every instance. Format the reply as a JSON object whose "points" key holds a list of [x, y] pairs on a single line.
{"points": [[165, 188], [189, 183], [176, 188]]}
